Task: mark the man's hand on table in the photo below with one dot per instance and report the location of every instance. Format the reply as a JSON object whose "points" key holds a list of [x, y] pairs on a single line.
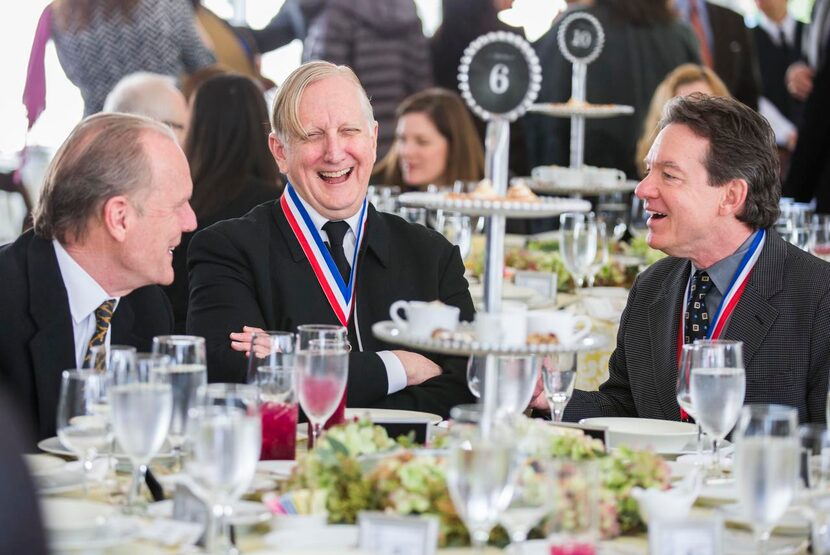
{"points": [[418, 368]]}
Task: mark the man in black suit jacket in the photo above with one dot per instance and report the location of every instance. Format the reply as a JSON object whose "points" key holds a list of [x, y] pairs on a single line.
{"points": [[254, 272], [112, 209], [712, 193]]}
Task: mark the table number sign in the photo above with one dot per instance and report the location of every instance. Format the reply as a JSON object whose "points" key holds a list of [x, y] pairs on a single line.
{"points": [[693, 537], [544, 283], [385, 534], [581, 38]]}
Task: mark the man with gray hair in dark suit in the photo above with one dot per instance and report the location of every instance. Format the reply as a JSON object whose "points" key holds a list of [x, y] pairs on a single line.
{"points": [[712, 192]]}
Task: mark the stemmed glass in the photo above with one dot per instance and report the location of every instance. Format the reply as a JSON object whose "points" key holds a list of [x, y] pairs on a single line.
{"points": [[322, 370], [531, 501], [271, 369], [142, 406], [577, 244], [819, 242], [558, 378], [226, 435], [515, 377], [718, 386], [187, 373], [328, 333], [766, 465], [684, 393], [601, 257], [81, 426], [639, 217], [480, 476]]}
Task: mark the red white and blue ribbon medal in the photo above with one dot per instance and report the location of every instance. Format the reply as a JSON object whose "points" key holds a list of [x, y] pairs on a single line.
{"points": [[733, 292], [339, 294]]}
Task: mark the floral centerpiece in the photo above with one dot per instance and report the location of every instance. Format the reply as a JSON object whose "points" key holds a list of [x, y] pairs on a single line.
{"points": [[360, 468]]}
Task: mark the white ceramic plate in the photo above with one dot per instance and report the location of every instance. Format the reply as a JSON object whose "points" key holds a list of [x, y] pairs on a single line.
{"points": [[73, 520], [739, 542], [391, 416], [568, 109], [40, 464], [53, 445], [664, 436], [69, 477], [337, 537], [509, 291], [543, 207], [245, 513], [117, 532], [792, 523], [277, 469]]}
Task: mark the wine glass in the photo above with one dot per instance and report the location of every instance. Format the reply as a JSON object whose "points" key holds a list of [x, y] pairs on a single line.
{"points": [[638, 226], [322, 370], [684, 393], [458, 231], [515, 377], [613, 210], [531, 501], [602, 256], [718, 386], [577, 244], [815, 448], [225, 440], [82, 428], [109, 358], [574, 523], [187, 373], [558, 379], [819, 242], [480, 476], [766, 465], [142, 407]]}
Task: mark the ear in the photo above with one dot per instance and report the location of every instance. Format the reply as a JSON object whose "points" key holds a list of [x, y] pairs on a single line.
{"points": [[734, 197], [375, 140], [116, 216], [278, 152]]}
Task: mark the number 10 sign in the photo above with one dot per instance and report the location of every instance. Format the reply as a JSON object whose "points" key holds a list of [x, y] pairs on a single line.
{"points": [[499, 76]]}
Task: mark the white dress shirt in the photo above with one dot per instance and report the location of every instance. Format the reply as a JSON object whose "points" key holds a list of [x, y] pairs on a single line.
{"points": [[85, 295], [396, 375], [781, 125]]}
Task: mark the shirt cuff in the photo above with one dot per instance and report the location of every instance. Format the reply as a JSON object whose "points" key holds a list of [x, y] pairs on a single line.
{"points": [[395, 374]]}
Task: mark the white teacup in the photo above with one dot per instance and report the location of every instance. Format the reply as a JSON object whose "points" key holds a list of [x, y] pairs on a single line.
{"points": [[421, 319], [567, 327], [559, 175], [508, 327]]}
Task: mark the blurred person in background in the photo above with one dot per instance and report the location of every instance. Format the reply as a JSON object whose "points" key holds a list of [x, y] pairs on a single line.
{"points": [[151, 95], [726, 46], [683, 81], [436, 142], [100, 41], [232, 168], [384, 44], [644, 41]]}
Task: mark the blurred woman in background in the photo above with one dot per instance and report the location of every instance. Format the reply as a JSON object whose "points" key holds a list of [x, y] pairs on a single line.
{"points": [[435, 143], [232, 169], [683, 81]]}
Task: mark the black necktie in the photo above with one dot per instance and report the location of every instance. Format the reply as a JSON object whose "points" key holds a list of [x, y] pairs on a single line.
{"points": [[785, 46], [697, 318], [336, 232]]}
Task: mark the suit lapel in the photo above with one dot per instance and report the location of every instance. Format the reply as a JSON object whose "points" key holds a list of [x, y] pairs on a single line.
{"points": [[753, 316], [52, 348], [122, 325], [663, 322]]}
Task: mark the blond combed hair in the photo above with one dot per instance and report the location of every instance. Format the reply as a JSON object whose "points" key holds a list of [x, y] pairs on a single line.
{"points": [[103, 157], [665, 91], [285, 113]]}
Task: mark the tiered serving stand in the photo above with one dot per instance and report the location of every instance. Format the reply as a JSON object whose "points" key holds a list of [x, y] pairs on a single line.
{"points": [[493, 54]]}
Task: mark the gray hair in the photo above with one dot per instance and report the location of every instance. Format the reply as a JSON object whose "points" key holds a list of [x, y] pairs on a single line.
{"points": [[285, 119], [103, 157], [741, 146], [146, 94]]}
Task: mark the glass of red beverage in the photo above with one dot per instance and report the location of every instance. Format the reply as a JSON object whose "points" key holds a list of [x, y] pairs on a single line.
{"points": [[574, 522], [322, 372]]}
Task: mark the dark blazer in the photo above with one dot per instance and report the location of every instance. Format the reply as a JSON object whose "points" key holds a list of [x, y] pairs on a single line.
{"points": [[774, 59], [252, 271], [736, 62], [783, 319], [37, 341]]}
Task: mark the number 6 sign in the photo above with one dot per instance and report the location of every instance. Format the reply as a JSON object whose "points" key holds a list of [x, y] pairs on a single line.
{"points": [[499, 76]]}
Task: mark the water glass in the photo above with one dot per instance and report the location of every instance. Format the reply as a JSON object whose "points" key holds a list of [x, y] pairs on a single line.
{"points": [[766, 465], [271, 369], [516, 377], [684, 393], [187, 373], [82, 427], [324, 332], [602, 256], [109, 358], [413, 215], [577, 244], [532, 499], [614, 211], [480, 475], [142, 407], [558, 377], [819, 242], [718, 386], [225, 440], [639, 217], [574, 522], [815, 456], [322, 371], [456, 228]]}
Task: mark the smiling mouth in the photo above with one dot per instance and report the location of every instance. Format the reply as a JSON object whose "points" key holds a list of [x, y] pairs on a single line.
{"points": [[656, 215], [335, 177]]}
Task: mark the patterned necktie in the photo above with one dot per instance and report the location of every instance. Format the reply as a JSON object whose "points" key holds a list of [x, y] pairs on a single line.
{"points": [[697, 26], [697, 317], [336, 232], [103, 315]]}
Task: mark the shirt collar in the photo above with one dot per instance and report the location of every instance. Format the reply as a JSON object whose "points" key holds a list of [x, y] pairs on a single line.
{"points": [[722, 271], [774, 29], [319, 220], [83, 292]]}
